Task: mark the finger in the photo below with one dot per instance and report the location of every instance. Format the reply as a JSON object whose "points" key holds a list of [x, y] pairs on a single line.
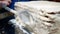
{"points": [[8, 1], [5, 3]]}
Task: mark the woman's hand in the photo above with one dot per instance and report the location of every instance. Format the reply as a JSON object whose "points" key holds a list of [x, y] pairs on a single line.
{"points": [[5, 2]]}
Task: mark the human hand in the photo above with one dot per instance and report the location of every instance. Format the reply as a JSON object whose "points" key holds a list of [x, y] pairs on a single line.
{"points": [[5, 2]]}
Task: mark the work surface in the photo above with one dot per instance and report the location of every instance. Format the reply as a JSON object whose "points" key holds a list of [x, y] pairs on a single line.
{"points": [[44, 5], [39, 17]]}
